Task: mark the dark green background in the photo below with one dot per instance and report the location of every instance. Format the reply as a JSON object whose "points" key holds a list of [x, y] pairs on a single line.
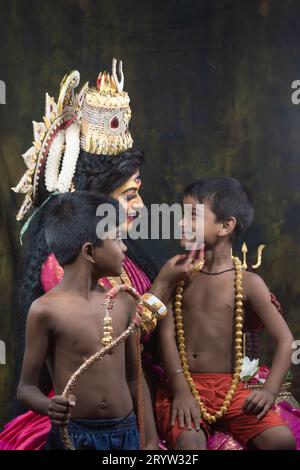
{"points": [[210, 84]]}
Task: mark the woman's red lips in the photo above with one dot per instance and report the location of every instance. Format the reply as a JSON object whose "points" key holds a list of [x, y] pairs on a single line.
{"points": [[132, 217]]}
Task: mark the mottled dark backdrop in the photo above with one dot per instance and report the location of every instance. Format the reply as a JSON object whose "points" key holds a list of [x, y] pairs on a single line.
{"points": [[210, 84]]}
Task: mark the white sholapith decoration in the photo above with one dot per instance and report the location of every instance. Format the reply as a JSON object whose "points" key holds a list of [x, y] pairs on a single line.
{"points": [[119, 83], [53, 162], [70, 158], [249, 368]]}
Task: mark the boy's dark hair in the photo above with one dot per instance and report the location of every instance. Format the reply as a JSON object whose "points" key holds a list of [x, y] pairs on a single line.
{"points": [[227, 198], [71, 221]]}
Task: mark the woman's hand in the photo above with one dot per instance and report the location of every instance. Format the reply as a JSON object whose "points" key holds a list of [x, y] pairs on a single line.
{"points": [[174, 270]]}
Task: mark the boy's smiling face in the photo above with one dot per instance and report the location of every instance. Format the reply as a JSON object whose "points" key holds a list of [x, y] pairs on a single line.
{"points": [[189, 222]]}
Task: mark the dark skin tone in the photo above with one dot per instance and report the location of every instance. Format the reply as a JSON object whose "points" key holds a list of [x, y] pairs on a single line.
{"points": [[208, 306], [65, 326]]}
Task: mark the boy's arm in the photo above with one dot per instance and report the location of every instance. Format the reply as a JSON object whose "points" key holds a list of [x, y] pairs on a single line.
{"points": [[29, 393], [34, 358], [184, 406], [259, 297]]}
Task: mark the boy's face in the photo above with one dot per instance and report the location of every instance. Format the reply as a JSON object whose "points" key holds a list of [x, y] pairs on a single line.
{"points": [[211, 226], [109, 257]]}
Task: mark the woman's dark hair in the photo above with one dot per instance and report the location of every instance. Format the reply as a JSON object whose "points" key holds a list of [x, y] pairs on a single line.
{"points": [[102, 173], [227, 197]]}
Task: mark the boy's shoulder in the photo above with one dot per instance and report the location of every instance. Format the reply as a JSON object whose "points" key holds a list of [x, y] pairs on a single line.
{"points": [[125, 304], [43, 306], [252, 279], [254, 285], [126, 300]]}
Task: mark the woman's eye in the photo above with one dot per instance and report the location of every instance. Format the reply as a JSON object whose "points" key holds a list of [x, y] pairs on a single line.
{"points": [[129, 198]]}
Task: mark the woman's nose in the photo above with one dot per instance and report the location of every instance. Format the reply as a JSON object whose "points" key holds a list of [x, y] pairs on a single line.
{"points": [[139, 203]]}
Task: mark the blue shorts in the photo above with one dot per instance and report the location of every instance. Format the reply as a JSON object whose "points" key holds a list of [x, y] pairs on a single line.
{"points": [[98, 434]]}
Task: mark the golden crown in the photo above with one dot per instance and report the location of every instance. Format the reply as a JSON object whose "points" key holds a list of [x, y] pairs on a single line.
{"points": [[105, 115]]}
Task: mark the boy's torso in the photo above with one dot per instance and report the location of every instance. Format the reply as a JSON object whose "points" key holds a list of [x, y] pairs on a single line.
{"points": [[76, 333], [208, 312]]}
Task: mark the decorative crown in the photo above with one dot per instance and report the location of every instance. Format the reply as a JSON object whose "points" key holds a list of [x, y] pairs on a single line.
{"points": [[95, 120], [105, 115]]}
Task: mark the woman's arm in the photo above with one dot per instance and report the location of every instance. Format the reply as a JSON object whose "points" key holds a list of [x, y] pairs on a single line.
{"points": [[177, 268]]}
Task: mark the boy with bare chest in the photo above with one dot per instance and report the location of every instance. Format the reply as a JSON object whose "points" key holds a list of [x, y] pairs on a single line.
{"points": [[201, 344], [65, 326]]}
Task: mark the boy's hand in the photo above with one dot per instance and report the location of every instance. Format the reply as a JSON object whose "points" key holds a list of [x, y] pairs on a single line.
{"points": [[259, 402], [185, 409], [59, 410]]}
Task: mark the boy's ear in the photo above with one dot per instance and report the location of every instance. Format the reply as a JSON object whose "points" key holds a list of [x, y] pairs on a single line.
{"points": [[88, 252], [227, 226]]}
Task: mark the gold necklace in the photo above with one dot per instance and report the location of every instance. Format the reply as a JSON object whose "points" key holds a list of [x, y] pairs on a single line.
{"points": [[107, 321], [113, 280], [238, 346], [125, 278]]}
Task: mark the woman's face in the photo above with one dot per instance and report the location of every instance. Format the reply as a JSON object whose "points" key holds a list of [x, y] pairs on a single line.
{"points": [[128, 196]]}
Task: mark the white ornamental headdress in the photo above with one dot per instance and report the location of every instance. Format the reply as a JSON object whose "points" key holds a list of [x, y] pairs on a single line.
{"points": [[95, 120]]}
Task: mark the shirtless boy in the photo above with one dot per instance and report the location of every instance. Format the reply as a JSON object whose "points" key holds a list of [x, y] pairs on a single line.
{"points": [[208, 306]]}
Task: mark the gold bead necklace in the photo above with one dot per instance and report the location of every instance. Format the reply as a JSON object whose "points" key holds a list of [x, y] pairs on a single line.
{"points": [[238, 346]]}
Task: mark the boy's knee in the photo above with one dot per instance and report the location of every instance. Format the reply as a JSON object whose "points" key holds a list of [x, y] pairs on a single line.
{"points": [[286, 442], [277, 438], [191, 440]]}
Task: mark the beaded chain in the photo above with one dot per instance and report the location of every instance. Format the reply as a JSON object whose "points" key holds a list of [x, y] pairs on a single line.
{"points": [[238, 342]]}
